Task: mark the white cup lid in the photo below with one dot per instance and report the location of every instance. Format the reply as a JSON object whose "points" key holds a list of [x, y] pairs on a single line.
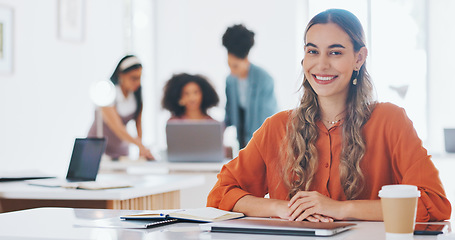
{"points": [[399, 191]]}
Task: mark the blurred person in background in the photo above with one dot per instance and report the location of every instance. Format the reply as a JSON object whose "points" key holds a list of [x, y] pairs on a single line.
{"points": [[126, 107], [250, 96]]}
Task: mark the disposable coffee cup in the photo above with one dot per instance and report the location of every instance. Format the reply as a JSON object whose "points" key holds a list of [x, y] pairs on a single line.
{"points": [[399, 207]]}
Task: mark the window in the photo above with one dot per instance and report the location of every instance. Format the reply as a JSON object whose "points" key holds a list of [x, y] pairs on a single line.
{"points": [[399, 57]]}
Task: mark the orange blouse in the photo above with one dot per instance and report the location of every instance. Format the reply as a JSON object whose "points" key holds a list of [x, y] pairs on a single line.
{"points": [[394, 155]]}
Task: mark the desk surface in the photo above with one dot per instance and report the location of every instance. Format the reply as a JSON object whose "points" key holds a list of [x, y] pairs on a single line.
{"points": [[58, 223], [160, 167], [143, 186]]}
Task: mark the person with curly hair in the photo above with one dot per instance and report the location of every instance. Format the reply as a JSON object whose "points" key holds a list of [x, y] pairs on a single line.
{"points": [[126, 107], [188, 97], [250, 96], [328, 158]]}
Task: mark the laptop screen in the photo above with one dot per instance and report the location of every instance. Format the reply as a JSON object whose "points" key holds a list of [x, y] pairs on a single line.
{"points": [[85, 159], [194, 141]]}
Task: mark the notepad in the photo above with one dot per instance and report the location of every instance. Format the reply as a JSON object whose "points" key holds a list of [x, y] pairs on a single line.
{"points": [[207, 214]]}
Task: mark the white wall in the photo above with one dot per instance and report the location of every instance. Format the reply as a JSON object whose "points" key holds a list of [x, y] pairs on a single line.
{"points": [[188, 39], [441, 64], [44, 104]]}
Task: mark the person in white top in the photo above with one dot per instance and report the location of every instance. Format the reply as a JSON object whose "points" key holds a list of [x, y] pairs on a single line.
{"points": [[126, 107]]}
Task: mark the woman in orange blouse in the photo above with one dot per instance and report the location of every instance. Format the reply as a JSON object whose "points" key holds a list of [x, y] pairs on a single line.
{"points": [[328, 158]]}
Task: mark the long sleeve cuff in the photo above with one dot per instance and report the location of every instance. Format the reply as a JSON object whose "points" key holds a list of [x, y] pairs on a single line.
{"points": [[231, 198]]}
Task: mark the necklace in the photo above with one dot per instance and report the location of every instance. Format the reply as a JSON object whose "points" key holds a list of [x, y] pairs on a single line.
{"points": [[333, 122], [336, 121]]}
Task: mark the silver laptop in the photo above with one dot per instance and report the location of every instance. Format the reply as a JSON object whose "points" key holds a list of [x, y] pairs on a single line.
{"points": [[84, 163], [449, 140], [278, 227], [195, 141]]}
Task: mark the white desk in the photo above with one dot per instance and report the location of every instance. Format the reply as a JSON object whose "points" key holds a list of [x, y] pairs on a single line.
{"points": [[194, 197], [58, 223], [445, 163], [138, 166], [149, 192]]}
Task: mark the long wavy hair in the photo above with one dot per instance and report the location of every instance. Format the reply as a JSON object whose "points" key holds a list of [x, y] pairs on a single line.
{"points": [[299, 147]]}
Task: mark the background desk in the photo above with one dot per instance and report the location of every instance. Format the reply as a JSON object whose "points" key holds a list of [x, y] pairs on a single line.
{"points": [[149, 192], [58, 223], [193, 197]]}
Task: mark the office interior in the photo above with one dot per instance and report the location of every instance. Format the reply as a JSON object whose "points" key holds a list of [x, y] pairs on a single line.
{"points": [[44, 96]]}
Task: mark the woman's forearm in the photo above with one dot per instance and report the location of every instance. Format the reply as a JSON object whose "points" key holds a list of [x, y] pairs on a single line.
{"points": [[114, 122], [261, 207], [369, 210]]}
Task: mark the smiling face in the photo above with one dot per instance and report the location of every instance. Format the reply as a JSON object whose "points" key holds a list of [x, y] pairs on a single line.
{"points": [[330, 60], [191, 97]]}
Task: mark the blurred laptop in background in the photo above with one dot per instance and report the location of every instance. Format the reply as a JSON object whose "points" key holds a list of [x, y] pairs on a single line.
{"points": [[195, 141], [449, 140]]}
